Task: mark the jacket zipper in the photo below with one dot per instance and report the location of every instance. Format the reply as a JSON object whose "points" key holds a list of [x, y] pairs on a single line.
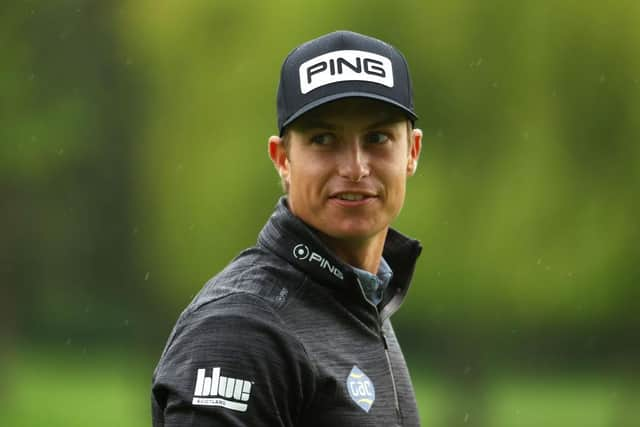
{"points": [[393, 378], [386, 353]]}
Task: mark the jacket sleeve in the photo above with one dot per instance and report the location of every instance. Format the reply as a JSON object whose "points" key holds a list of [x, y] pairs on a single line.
{"points": [[231, 363]]}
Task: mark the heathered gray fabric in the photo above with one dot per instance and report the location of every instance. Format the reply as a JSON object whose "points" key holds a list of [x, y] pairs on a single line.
{"points": [[294, 329]]}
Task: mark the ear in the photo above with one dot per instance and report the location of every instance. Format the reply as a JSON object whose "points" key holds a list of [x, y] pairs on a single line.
{"points": [[278, 155], [414, 151]]}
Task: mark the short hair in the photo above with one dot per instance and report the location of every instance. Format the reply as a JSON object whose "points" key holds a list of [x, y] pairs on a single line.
{"points": [[285, 140]]}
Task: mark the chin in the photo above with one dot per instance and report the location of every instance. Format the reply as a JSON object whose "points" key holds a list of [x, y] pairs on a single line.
{"points": [[353, 231]]}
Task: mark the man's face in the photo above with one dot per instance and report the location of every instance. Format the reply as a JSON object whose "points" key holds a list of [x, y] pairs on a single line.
{"points": [[346, 165]]}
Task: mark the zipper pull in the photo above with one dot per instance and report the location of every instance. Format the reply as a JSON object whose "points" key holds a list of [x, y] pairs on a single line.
{"points": [[384, 340]]}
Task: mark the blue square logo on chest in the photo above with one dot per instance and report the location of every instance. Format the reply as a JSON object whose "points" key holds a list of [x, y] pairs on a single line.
{"points": [[361, 389]]}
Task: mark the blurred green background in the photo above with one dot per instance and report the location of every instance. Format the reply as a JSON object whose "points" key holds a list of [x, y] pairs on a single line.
{"points": [[133, 166]]}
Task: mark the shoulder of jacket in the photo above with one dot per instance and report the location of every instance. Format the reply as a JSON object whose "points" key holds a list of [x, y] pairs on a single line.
{"points": [[255, 275]]}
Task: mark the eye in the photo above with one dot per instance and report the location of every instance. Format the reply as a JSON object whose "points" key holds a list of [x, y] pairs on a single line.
{"points": [[376, 138], [322, 139]]}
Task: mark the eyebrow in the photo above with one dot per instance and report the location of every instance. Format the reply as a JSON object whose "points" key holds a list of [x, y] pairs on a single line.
{"points": [[320, 124], [385, 122], [315, 124]]}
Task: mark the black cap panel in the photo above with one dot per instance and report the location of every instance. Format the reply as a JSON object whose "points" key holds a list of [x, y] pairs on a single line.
{"points": [[340, 65]]}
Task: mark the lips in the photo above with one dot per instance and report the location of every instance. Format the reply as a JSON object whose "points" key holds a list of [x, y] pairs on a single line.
{"points": [[352, 196]]}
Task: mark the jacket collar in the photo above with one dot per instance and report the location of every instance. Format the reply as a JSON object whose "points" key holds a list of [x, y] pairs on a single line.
{"points": [[292, 239]]}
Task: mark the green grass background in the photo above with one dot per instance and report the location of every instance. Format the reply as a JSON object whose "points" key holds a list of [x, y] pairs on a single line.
{"points": [[59, 388]]}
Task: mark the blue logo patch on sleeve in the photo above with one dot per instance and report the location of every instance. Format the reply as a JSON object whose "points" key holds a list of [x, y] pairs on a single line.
{"points": [[361, 389]]}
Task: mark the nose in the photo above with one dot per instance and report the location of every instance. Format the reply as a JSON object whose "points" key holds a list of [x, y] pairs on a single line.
{"points": [[353, 162]]}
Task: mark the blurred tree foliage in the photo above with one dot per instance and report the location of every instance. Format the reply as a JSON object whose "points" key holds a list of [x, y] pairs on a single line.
{"points": [[133, 162]]}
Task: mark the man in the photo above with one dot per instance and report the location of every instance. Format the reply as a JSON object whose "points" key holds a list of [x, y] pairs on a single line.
{"points": [[295, 331]]}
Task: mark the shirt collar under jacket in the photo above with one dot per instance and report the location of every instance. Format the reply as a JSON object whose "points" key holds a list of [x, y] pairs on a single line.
{"points": [[290, 238], [374, 285]]}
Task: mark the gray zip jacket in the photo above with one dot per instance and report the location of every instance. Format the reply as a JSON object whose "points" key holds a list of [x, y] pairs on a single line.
{"points": [[284, 336]]}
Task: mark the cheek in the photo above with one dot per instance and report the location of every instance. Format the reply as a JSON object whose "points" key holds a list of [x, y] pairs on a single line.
{"points": [[396, 180], [304, 182], [394, 170], [309, 170]]}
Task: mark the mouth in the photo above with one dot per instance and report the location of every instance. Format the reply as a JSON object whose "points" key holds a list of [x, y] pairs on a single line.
{"points": [[352, 198]]}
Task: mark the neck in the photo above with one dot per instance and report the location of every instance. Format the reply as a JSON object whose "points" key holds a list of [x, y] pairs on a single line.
{"points": [[364, 254]]}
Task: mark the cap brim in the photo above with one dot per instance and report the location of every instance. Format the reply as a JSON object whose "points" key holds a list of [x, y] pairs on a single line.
{"points": [[335, 97]]}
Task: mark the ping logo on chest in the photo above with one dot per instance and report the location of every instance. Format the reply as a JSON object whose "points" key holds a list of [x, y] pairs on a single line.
{"points": [[345, 65], [217, 390], [361, 389]]}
